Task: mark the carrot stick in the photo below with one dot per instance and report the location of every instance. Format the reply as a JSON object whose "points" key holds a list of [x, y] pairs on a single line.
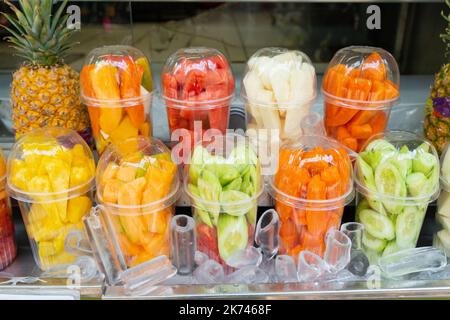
{"points": [[379, 122], [342, 133], [373, 67], [88, 91], [351, 143], [361, 131], [130, 87]]}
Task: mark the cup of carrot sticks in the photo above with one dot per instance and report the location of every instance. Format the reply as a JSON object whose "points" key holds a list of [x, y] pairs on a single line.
{"points": [[116, 86], [313, 184], [360, 86]]}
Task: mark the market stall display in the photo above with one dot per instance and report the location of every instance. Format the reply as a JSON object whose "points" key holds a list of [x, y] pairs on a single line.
{"points": [[116, 86], [397, 176], [311, 187], [360, 86], [197, 87], [136, 190], [50, 173], [223, 181]]}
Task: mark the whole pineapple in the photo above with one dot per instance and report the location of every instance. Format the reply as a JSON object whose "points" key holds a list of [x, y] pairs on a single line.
{"points": [[45, 90], [437, 124]]}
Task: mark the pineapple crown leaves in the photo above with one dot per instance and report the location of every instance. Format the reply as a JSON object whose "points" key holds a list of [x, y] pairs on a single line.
{"points": [[446, 36], [38, 36]]}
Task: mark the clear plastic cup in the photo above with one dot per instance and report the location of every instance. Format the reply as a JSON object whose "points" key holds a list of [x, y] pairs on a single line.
{"points": [[396, 177], [278, 89], [116, 86], [50, 172], [311, 187], [8, 248], [137, 191], [360, 86], [223, 182], [442, 237], [197, 87]]}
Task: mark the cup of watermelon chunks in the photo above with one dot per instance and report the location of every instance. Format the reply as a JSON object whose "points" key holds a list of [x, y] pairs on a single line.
{"points": [[116, 86], [137, 191], [360, 86], [8, 248], [313, 184], [197, 87], [223, 181], [397, 176], [51, 174]]}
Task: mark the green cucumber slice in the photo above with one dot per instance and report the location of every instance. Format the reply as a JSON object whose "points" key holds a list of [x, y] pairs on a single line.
{"points": [[373, 243], [232, 234], [391, 247], [408, 225], [390, 182], [198, 208], [378, 225]]}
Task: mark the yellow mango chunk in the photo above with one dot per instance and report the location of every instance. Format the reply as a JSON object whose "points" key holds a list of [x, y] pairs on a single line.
{"points": [[124, 131], [59, 174], [111, 190], [20, 176], [77, 208], [126, 173]]}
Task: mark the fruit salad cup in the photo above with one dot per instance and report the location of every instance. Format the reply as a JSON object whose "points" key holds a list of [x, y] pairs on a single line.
{"points": [[442, 238], [360, 86], [311, 187], [137, 191], [116, 86], [197, 87], [8, 249], [51, 175], [397, 176], [223, 181], [278, 89]]}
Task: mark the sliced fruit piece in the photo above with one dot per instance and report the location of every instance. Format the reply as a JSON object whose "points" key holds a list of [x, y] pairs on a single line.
{"points": [[377, 225], [232, 234], [408, 225], [373, 243]]}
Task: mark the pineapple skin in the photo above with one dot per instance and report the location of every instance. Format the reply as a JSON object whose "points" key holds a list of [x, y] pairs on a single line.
{"points": [[47, 97], [436, 127]]}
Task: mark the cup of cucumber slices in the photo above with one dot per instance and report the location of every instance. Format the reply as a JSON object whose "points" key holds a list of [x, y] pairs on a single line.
{"points": [[396, 176], [223, 181]]}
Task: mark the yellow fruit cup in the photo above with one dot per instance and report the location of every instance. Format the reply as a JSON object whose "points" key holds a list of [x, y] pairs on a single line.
{"points": [[136, 192], [50, 172], [116, 86]]}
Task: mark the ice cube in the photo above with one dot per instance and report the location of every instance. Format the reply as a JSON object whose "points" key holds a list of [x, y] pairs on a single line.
{"points": [[285, 269], [359, 263], [200, 258], [266, 234], [338, 250], [250, 256], [248, 275], [311, 267], [413, 260], [209, 272]]}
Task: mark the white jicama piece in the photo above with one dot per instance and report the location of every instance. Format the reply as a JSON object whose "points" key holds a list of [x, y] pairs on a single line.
{"points": [[289, 57], [443, 221], [263, 68], [279, 79], [301, 89], [267, 112], [444, 204], [446, 166], [253, 86]]}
